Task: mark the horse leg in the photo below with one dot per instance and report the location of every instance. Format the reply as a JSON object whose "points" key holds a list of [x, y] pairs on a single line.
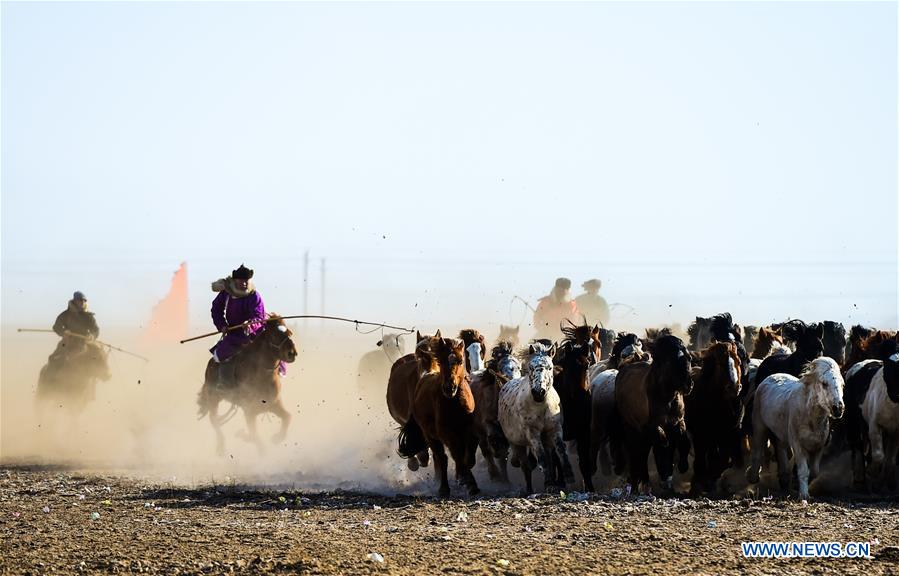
{"points": [[521, 454], [562, 453], [583, 458], [700, 465], [440, 465], [783, 463], [487, 453], [460, 451], [758, 449], [252, 433], [216, 422], [802, 470], [875, 437], [284, 416], [891, 448]]}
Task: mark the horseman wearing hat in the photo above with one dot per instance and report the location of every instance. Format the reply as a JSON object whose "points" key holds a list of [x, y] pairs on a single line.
{"points": [[553, 308], [236, 303], [75, 325], [591, 304]]}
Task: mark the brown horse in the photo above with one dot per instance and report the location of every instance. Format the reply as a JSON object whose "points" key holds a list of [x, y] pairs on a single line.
{"points": [[765, 341], [485, 387], [649, 398], [72, 383], [867, 347], [579, 351], [258, 383], [509, 334], [442, 417], [403, 381], [713, 415]]}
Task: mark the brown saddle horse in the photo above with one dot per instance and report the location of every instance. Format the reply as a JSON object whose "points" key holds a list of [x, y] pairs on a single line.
{"points": [[258, 384]]}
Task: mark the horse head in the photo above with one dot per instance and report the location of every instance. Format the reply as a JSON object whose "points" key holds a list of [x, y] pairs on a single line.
{"points": [[834, 340], [700, 333], [540, 369], [724, 363], [822, 376], [426, 352], [606, 341], [508, 334], [450, 354], [277, 336], [626, 348], [92, 362], [765, 340], [476, 350], [671, 359], [503, 362]]}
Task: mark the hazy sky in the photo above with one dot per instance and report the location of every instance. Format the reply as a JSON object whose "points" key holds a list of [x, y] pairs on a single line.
{"points": [[443, 157]]}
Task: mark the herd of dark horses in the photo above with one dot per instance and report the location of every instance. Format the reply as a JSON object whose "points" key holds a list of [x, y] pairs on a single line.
{"points": [[797, 390]]}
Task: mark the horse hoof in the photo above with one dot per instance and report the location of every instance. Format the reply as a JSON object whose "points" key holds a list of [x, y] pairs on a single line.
{"points": [[443, 493], [412, 464], [473, 490]]}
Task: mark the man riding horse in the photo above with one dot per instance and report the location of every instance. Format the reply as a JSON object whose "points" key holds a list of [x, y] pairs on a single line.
{"points": [[76, 326], [237, 303]]}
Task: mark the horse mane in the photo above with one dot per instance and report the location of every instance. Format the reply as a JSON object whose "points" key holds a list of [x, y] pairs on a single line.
{"points": [[723, 328], [792, 330], [502, 349], [809, 374]]}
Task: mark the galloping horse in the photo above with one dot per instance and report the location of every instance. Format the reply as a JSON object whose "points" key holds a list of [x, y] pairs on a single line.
{"points": [[485, 386], [403, 381], [649, 398], [578, 352], [73, 382], [258, 383], [442, 417], [713, 415]]}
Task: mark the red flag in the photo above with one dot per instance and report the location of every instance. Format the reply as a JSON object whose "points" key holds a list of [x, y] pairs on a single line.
{"points": [[168, 322]]}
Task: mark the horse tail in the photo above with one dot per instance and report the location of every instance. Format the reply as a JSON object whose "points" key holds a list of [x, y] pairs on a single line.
{"points": [[411, 440]]}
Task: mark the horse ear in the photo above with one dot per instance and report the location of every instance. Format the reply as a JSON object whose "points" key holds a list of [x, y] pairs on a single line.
{"points": [[418, 337], [552, 350], [516, 329], [819, 331], [437, 335], [595, 331], [531, 349]]}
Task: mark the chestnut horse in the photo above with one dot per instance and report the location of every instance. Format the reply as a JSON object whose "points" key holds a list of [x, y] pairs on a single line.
{"points": [[258, 383], [401, 385], [442, 417]]}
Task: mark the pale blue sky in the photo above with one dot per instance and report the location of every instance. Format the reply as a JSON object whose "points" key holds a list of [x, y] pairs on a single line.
{"points": [[710, 156]]}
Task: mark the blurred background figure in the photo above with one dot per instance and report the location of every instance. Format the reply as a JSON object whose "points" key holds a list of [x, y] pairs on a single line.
{"points": [[73, 325], [591, 304], [553, 308]]}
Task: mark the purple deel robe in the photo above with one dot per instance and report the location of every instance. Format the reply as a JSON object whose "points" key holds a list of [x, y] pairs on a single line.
{"points": [[230, 311]]}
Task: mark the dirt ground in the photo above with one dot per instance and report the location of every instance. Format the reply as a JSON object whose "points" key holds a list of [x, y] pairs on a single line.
{"points": [[57, 519]]}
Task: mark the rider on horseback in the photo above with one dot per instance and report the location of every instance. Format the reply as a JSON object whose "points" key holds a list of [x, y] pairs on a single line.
{"points": [[76, 326], [237, 302]]}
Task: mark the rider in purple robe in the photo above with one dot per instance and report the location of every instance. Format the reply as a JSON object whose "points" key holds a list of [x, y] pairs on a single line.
{"points": [[237, 302]]}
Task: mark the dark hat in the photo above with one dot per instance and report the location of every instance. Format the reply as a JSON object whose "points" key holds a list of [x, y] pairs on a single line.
{"points": [[591, 283], [563, 283], [242, 273], [79, 296]]}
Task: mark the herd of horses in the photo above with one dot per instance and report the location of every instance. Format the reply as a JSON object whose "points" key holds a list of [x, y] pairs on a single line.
{"points": [[789, 393], [728, 394]]}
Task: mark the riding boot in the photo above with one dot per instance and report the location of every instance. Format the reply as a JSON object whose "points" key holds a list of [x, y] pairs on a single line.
{"points": [[226, 374]]}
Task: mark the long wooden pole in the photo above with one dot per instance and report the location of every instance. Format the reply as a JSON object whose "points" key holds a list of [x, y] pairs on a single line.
{"points": [[100, 342]]}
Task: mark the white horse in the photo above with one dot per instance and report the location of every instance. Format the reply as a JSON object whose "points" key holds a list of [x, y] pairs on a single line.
{"points": [[530, 414], [795, 414], [880, 410]]}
